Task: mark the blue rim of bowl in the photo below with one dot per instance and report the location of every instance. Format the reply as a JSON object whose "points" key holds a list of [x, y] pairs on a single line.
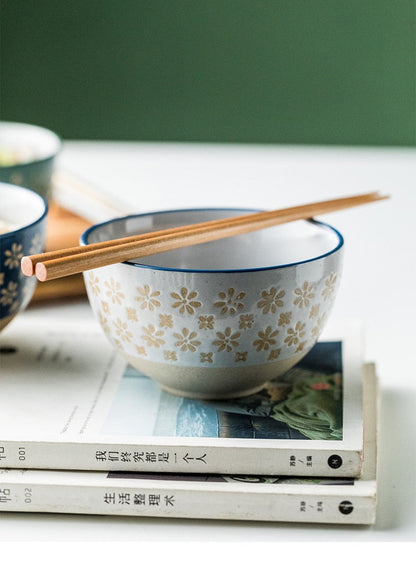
{"points": [[85, 234], [30, 163], [25, 226]]}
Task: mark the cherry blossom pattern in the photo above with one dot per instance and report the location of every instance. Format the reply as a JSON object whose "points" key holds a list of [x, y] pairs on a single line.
{"points": [[187, 340], [185, 301], [294, 334], [271, 300], [103, 320], [114, 292], [131, 315], [9, 295], [118, 344], [274, 354], [246, 321], [227, 340], [230, 302], [314, 312], [147, 299], [121, 330], [36, 244], [330, 283], [165, 320], [170, 356], [316, 330], [141, 350], [284, 319], [93, 283], [266, 339], [304, 295], [13, 256], [206, 322], [152, 337]]}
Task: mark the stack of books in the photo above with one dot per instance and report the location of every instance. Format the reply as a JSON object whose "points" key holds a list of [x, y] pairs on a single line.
{"points": [[82, 432]]}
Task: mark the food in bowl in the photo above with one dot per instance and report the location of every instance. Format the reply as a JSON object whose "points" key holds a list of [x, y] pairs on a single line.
{"points": [[10, 156], [27, 156], [217, 320], [6, 226], [23, 216]]}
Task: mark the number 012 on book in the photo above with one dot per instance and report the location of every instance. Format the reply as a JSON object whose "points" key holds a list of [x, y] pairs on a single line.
{"points": [[68, 401]]}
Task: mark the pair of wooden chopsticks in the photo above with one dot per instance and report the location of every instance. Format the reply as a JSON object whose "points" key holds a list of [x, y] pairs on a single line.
{"points": [[61, 263]]}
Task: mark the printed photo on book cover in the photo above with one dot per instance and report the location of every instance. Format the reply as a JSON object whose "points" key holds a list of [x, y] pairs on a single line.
{"points": [[305, 403]]}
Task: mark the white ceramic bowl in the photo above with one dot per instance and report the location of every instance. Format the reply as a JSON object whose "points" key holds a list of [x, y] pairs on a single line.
{"points": [[22, 232], [27, 156], [220, 319]]}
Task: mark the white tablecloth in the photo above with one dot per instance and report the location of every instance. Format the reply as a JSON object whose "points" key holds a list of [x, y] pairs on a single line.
{"points": [[378, 287]]}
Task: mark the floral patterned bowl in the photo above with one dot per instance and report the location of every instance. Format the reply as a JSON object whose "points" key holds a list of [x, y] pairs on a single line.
{"points": [[22, 232], [220, 319], [27, 156]]}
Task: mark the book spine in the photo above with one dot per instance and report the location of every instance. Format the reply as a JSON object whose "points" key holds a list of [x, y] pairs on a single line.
{"points": [[181, 459], [162, 501]]}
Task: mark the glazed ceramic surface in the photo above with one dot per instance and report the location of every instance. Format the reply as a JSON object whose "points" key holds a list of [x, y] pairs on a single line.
{"points": [[27, 156], [22, 232], [217, 320]]}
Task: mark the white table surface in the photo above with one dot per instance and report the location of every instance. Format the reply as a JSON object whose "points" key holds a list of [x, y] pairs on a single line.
{"points": [[378, 287]]}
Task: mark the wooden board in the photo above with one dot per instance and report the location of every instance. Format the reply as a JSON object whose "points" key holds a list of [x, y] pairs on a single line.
{"points": [[63, 230]]}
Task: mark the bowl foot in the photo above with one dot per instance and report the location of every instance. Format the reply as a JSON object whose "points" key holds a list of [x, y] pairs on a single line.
{"points": [[212, 383], [219, 395]]}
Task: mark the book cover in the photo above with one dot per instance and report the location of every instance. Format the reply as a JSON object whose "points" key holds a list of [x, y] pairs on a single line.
{"points": [[68, 401], [205, 496]]}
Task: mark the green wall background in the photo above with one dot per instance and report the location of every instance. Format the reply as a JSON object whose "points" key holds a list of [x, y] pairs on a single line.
{"points": [[268, 71]]}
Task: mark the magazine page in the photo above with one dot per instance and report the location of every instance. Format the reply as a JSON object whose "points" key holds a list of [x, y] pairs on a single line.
{"points": [[64, 384], [321, 499]]}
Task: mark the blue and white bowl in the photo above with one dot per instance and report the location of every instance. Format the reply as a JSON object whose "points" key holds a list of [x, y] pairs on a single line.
{"points": [[28, 155], [23, 215], [217, 320]]}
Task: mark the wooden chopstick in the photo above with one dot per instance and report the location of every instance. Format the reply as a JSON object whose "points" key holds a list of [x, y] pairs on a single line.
{"points": [[64, 262]]}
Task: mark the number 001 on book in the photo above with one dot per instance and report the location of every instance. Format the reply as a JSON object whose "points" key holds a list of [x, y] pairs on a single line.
{"points": [[68, 401]]}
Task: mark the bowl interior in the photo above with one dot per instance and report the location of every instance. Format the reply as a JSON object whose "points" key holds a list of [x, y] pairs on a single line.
{"points": [[19, 207], [292, 243], [24, 143]]}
